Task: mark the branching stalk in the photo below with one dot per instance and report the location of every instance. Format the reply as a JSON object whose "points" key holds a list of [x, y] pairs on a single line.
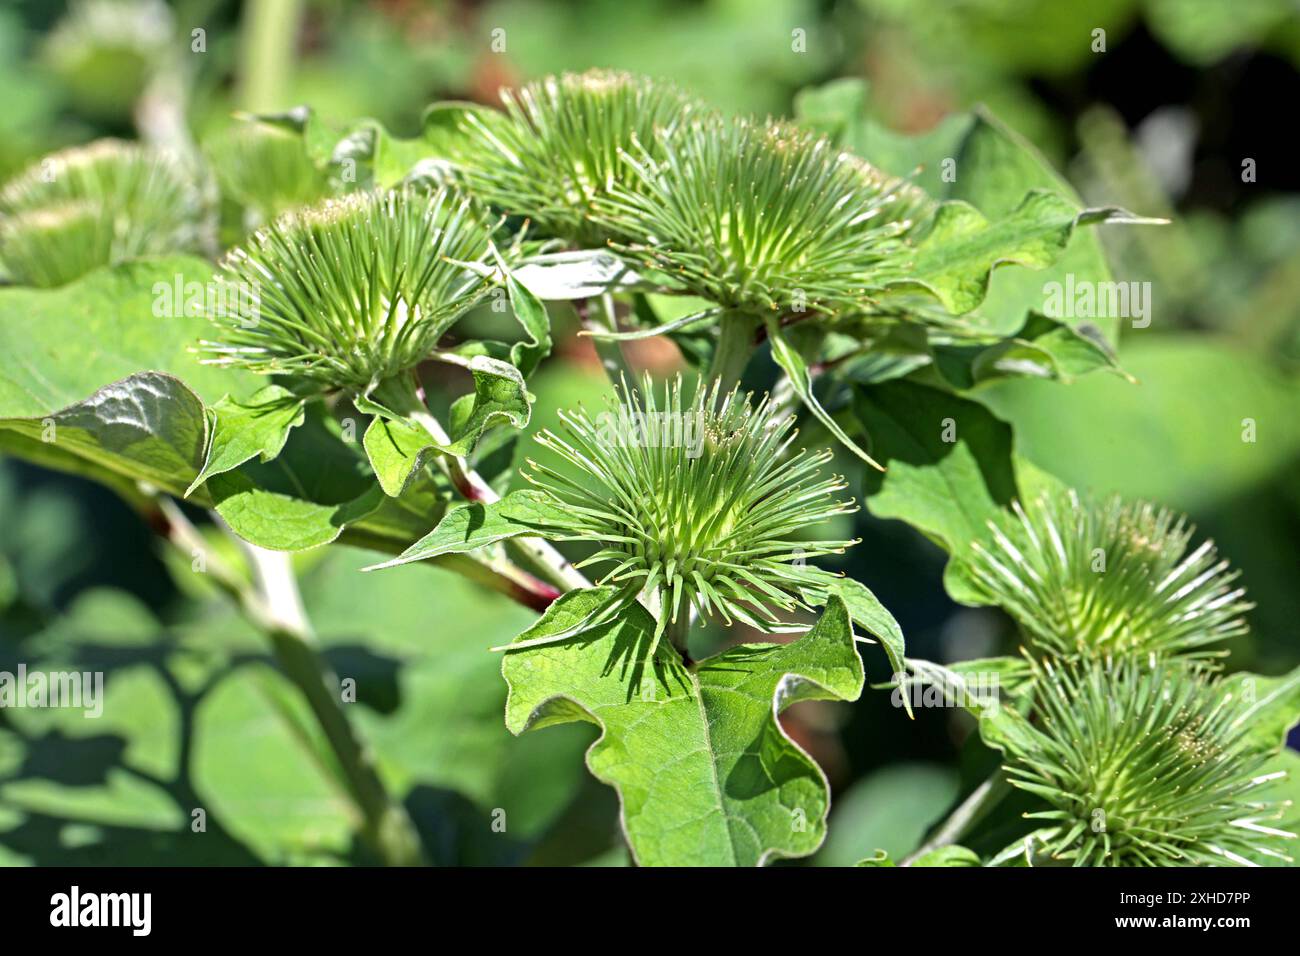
{"points": [[273, 603], [542, 557], [735, 346]]}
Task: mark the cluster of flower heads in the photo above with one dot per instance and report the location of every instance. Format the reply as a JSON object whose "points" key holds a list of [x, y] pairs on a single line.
{"points": [[1144, 766], [1140, 752], [354, 290], [754, 216], [97, 205], [698, 498]]}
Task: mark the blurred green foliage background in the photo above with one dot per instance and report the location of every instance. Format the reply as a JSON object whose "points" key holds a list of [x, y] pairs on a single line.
{"points": [[1160, 122]]}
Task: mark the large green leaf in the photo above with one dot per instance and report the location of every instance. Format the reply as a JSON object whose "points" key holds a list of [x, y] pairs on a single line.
{"points": [[948, 460], [954, 259], [59, 345], [148, 427], [705, 772]]}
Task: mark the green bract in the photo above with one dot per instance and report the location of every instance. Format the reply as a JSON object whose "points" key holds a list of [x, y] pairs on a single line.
{"points": [[1090, 580], [354, 290], [1142, 767], [696, 499], [562, 144], [96, 205], [761, 218]]}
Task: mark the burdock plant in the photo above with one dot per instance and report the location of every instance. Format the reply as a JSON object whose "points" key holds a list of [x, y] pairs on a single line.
{"points": [[1142, 766], [761, 218], [686, 504], [357, 290], [698, 502], [97, 205], [564, 143], [1088, 579]]}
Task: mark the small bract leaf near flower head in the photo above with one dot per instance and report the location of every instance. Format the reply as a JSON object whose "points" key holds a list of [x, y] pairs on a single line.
{"points": [[563, 142], [355, 290], [96, 205], [699, 499], [1089, 580], [1143, 767], [761, 217]]}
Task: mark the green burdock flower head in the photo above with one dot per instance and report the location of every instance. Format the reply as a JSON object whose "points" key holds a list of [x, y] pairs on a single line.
{"points": [[698, 500], [562, 143], [96, 205], [353, 291], [761, 218], [1089, 580], [1143, 767], [266, 169]]}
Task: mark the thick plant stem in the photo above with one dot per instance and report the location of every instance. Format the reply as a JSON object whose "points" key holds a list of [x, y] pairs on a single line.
{"points": [[734, 349], [968, 813], [386, 827], [677, 630], [267, 39], [273, 604]]}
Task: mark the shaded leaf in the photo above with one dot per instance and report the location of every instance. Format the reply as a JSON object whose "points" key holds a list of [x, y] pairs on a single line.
{"points": [[949, 464], [148, 427], [258, 427], [705, 772], [478, 525]]}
